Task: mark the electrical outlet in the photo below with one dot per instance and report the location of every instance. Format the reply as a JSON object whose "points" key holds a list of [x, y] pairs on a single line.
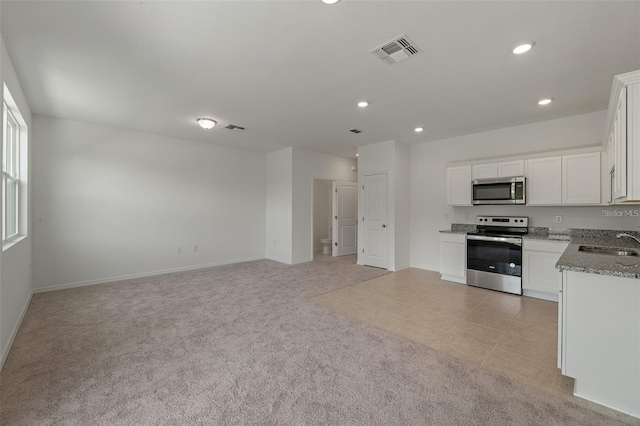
{"points": [[195, 248], [558, 219], [179, 250]]}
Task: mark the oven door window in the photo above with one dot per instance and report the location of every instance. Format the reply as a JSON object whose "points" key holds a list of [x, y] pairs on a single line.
{"points": [[494, 256], [492, 191]]}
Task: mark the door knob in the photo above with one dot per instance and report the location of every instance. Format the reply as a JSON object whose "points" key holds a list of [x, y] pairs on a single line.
{"points": [[384, 226]]}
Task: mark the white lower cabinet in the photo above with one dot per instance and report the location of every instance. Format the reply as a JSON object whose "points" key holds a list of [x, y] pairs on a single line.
{"points": [[540, 278], [599, 338], [453, 257]]}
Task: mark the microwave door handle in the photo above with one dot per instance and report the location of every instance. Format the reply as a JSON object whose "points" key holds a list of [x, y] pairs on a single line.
{"points": [[513, 190]]}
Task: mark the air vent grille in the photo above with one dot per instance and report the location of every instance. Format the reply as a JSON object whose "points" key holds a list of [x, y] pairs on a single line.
{"points": [[234, 127], [396, 50]]}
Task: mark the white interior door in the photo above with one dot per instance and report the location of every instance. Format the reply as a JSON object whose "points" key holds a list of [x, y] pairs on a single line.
{"points": [[376, 235], [345, 218]]}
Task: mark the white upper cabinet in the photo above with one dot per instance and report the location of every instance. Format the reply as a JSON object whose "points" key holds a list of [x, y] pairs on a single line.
{"points": [[459, 186], [581, 178], [623, 138], [485, 171], [511, 168], [544, 181], [499, 169]]}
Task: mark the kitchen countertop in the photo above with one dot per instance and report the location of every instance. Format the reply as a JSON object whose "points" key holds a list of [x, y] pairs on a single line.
{"points": [[574, 260], [593, 263]]}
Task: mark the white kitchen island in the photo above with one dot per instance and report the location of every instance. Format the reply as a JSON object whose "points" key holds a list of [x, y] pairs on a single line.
{"points": [[600, 329]]}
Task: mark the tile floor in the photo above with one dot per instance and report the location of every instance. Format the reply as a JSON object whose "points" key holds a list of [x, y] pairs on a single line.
{"points": [[507, 334]]}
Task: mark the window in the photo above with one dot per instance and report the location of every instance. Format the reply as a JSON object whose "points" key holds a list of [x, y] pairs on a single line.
{"points": [[13, 171]]}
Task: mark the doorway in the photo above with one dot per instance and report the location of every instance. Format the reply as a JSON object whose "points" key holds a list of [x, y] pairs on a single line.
{"points": [[322, 217], [335, 218]]}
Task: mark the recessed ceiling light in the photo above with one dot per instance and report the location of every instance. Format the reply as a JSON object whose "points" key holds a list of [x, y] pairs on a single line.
{"points": [[418, 129], [356, 154], [330, 1], [363, 104], [523, 48], [546, 101], [206, 123]]}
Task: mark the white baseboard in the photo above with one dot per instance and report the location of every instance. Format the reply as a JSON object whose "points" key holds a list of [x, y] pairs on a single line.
{"points": [[453, 278], [276, 259], [539, 294], [295, 262], [401, 267], [14, 332], [140, 275]]}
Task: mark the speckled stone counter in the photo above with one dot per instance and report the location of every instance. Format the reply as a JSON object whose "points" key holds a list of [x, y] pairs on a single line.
{"points": [[593, 263]]}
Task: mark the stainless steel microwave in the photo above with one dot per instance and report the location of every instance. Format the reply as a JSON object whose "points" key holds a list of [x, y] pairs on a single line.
{"points": [[499, 190]]}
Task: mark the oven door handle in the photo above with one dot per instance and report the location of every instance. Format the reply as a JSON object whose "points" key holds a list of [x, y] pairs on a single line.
{"points": [[516, 241]]}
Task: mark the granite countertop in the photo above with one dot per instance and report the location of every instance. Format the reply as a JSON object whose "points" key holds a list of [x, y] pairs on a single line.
{"points": [[593, 263], [574, 260]]}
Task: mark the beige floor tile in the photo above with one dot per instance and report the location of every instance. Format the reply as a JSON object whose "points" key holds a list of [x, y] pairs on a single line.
{"points": [[496, 310], [544, 335], [462, 348], [530, 349], [488, 320], [542, 319], [437, 319], [520, 369], [481, 334], [504, 301]]}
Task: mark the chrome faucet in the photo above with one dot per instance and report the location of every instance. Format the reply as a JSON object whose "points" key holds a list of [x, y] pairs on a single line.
{"points": [[624, 234]]}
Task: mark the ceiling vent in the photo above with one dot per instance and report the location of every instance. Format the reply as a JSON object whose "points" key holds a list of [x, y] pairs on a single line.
{"points": [[234, 127], [396, 50], [356, 131]]}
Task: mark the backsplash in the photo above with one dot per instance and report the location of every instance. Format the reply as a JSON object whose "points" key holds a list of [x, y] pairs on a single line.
{"points": [[558, 233], [620, 217]]}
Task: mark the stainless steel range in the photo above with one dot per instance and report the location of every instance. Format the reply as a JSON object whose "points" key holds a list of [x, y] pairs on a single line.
{"points": [[494, 253]]}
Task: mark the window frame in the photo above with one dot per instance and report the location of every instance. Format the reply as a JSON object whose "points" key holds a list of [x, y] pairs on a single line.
{"points": [[11, 173]]}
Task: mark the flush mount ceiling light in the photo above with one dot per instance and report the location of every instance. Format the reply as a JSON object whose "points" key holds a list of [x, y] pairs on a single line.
{"points": [[524, 47], [418, 129], [546, 101], [330, 1], [206, 123], [363, 104]]}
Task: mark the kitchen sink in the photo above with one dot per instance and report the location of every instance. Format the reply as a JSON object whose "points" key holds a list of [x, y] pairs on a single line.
{"points": [[609, 251]]}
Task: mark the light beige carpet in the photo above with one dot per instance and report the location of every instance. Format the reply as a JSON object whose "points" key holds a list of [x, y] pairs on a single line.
{"points": [[240, 344]]}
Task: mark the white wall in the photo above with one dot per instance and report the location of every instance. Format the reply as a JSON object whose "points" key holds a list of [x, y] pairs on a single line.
{"points": [[111, 203], [322, 208], [279, 205], [307, 166], [15, 262], [402, 206], [429, 210]]}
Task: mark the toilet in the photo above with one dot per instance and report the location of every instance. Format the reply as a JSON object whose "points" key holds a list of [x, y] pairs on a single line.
{"points": [[326, 245]]}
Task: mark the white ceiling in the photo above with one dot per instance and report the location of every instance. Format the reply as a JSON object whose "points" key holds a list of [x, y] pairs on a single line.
{"points": [[291, 72]]}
